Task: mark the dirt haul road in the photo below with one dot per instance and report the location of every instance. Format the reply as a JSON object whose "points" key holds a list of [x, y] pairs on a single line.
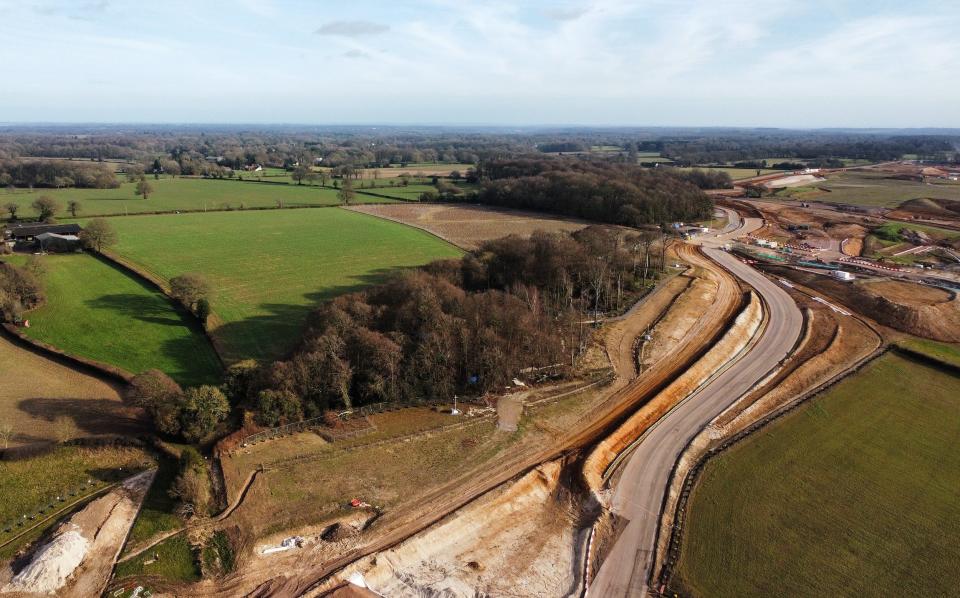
{"points": [[640, 492]]}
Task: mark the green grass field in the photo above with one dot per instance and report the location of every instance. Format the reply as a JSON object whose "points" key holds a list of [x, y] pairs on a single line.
{"points": [[892, 229], [852, 494], [97, 311], [268, 268], [178, 562], [181, 194]]}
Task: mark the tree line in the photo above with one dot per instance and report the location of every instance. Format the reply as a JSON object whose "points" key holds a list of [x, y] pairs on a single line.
{"points": [[56, 174], [600, 191]]}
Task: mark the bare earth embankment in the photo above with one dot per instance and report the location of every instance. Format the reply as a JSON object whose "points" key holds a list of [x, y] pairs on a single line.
{"points": [[920, 310]]}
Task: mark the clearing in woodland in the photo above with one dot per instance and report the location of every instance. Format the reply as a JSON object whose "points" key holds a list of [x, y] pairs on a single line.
{"points": [[268, 269], [470, 225], [98, 311], [853, 493]]}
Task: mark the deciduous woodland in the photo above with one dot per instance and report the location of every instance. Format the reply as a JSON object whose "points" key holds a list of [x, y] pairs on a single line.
{"points": [[457, 326], [57, 174], [599, 191]]}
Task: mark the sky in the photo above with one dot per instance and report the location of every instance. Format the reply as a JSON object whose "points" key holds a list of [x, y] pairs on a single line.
{"points": [[784, 63]]}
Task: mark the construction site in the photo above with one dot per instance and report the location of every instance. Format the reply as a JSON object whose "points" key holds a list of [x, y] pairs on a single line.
{"points": [[569, 488]]}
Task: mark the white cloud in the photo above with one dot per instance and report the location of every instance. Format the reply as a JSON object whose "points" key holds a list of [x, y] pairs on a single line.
{"points": [[352, 28]]}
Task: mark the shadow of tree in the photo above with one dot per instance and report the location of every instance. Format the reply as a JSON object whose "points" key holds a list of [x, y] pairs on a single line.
{"points": [[93, 417], [142, 307], [274, 335]]}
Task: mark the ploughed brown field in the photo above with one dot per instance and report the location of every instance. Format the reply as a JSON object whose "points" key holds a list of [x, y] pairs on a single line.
{"points": [[468, 226]]}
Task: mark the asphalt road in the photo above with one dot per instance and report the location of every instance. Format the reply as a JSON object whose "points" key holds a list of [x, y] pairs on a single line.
{"points": [[640, 492]]}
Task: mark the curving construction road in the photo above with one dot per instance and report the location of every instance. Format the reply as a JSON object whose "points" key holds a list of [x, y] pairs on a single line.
{"points": [[645, 477]]}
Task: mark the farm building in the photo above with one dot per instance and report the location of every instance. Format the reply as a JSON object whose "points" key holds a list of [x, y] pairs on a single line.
{"points": [[57, 243], [57, 235]]}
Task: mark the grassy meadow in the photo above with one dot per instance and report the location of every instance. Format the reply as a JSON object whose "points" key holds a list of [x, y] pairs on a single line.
{"points": [[872, 189], [97, 311], [182, 194], [853, 494], [268, 268]]}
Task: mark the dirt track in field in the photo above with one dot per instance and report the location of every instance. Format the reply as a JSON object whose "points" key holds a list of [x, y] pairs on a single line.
{"points": [[467, 226], [45, 400]]}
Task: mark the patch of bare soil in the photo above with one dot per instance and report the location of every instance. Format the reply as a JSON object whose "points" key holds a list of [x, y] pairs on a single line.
{"points": [[45, 400], [852, 246], [907, 293], [939, 321], [79, 558], [797, 180], [468, 226], [515, 541]]}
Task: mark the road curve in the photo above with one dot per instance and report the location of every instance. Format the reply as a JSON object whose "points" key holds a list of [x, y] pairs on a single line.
{"points": [[640, 492]]}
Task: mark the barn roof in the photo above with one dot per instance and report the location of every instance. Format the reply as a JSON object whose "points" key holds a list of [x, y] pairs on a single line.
{"points": [[32, 230]]}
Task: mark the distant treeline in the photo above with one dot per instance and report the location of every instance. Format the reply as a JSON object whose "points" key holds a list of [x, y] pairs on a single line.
{"points": [[609, 192], [56, 174], [199, 149], [815, 149], [463, 326]]}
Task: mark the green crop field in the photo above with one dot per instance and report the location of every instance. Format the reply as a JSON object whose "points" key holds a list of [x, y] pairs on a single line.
{"points": [[268, 268], [852, 494], [182, 194], [97, 311]]}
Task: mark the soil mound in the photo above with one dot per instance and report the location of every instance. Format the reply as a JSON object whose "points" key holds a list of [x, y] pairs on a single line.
{"points": [[908, 307], [52, 565], [908, 293]]}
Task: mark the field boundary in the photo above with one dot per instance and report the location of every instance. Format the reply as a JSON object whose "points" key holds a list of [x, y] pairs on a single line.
{"points": [[86, 366], [407, 224], [161, 285], [925, 358], [374, 194]]}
